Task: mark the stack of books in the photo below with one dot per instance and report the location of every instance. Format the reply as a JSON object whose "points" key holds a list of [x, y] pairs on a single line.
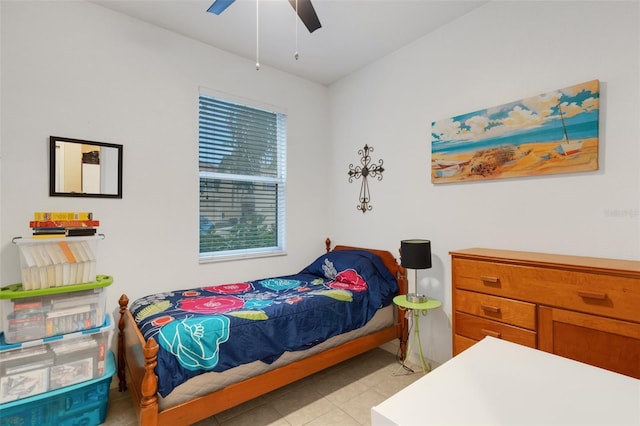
{"points": [[63, 224]]}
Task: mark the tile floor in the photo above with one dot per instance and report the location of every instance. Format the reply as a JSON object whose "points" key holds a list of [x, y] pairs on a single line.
{"points": [[340, 396]]}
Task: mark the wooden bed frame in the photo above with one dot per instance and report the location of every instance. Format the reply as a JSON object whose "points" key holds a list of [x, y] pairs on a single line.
{"points": [[137, 361]]}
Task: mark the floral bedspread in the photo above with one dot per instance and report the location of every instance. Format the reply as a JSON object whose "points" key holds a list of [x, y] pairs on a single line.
{"points": [[214, 328]]}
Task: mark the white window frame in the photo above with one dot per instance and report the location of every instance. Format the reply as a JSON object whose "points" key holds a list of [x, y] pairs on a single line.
{"points": [[279, 180]]}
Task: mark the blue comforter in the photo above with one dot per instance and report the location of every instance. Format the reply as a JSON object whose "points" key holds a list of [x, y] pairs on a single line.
{"points": [[219, 327]]}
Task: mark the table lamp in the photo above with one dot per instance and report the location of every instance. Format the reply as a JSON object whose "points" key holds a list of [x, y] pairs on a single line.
{"points": [[415, 254]]}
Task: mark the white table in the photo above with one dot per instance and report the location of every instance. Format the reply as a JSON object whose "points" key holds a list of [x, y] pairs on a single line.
{"points": [[496, 382]]}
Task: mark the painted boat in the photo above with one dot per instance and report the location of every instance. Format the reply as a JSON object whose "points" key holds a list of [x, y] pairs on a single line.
{"points": [[567, 148], [448, 171], [442, 164]]}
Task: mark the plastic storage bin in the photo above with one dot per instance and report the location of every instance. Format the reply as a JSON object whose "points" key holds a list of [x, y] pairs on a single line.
{"points": [[39, 366], [35, 314], [54, 262], [83, 404]]}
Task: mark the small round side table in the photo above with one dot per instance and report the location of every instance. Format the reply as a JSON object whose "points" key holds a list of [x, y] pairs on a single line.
{"points": [[417, 309]]}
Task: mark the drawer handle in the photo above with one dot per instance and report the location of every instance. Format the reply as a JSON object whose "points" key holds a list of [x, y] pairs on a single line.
{"points": [[491, 333], [592, 295], [488, 308], [492, 280]]}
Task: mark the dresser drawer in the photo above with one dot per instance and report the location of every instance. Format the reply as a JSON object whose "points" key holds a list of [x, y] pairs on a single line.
{"points": [[606, 295], [477, 328], [514, 312], [461, 343], [598, 293], [492, 278]]}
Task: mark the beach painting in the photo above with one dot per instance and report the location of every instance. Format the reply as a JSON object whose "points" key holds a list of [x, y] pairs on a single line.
{"points": [[556, 132]]}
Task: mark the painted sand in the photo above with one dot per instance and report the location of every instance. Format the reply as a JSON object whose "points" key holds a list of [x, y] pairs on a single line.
{"points": [[529, 159]]}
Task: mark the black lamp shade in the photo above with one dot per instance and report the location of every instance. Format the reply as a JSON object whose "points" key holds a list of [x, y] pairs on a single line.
{"points": [[415, 254]]}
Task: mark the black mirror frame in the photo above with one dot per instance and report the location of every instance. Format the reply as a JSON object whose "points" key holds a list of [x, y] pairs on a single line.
{"points": [[52, 168]]}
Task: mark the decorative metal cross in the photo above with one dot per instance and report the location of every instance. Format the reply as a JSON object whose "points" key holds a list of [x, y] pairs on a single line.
{"points": [[367, 169]]}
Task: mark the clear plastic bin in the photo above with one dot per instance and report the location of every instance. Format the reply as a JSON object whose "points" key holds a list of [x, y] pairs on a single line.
{"points": [[31, 368], [35, 314], [54, 262]]}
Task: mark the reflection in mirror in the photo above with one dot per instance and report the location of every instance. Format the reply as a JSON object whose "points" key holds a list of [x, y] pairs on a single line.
{"points": [[81, 168]]}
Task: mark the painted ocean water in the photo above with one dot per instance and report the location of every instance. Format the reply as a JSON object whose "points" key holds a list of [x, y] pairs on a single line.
{"points": [[576, 131]]}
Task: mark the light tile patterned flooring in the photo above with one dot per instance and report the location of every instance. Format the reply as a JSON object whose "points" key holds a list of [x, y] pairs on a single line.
{"points": [[339, 396]]}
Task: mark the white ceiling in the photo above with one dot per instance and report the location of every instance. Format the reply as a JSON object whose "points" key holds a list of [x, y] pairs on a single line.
{"points": [[354, 33]]}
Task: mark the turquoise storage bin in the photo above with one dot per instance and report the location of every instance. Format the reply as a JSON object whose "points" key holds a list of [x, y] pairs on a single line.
{"points": [[83, 404]]}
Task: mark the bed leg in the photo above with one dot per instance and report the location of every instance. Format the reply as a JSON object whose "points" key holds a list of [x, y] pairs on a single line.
{"points": [[149, 401], [122, 379]]}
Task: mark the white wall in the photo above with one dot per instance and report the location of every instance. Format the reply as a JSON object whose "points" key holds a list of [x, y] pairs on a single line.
{"points": [[501, 52], [77, 70]]}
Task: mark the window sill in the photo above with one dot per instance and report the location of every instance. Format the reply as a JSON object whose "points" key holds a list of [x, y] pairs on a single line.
{"points": [[239, 256]]}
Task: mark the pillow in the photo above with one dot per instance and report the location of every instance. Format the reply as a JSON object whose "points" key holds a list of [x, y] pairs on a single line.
{"points": [[381, 282]]}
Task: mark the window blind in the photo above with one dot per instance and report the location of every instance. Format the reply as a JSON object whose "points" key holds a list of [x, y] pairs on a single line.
{"points": [[242, 164]]}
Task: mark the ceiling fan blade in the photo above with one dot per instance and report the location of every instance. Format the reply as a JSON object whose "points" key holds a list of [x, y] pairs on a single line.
{"points": [[219, 6], [307, 14]]}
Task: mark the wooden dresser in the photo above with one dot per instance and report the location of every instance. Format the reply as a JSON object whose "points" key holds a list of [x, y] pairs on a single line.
{"points": [[583, 308]]}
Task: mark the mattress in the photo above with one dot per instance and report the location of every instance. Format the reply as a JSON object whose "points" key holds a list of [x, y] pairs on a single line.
{"points": [[212, 381]]}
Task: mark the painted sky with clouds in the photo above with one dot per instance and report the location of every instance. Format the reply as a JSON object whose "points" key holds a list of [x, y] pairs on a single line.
{"points": [[520, 116]]}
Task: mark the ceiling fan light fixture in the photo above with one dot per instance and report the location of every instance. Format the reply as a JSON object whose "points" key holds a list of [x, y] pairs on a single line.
{"points": [[303, 8]]}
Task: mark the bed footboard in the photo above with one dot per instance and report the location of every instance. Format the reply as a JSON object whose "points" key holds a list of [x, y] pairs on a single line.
{"points": [[137, 360]]}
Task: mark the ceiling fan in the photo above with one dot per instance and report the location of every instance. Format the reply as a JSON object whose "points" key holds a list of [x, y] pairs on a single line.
{"points": [[303, 8]]}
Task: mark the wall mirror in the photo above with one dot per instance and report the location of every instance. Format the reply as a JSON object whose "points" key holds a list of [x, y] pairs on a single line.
{"points": [[79, 168]]}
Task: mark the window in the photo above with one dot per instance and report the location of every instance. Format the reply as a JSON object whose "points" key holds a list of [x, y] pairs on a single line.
{"points": [[242, 157]]}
